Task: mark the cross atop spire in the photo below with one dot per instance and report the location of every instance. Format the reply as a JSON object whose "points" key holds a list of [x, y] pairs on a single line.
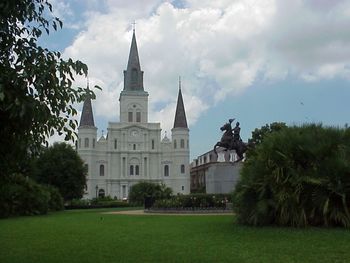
{"points": [[133, 26]]}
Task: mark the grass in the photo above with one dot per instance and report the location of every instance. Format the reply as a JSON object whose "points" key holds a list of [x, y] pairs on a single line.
{"points": [[89, 236]]}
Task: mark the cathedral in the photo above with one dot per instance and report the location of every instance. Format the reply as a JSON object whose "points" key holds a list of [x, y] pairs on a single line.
{"points": [[133, 150]]}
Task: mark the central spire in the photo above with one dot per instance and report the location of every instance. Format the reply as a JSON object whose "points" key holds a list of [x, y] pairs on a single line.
{"points": [[133, 75], [87, 116], [180, 114]]}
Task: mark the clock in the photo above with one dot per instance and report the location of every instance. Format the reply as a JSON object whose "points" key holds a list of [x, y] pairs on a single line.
{"points": [[134, 133]]}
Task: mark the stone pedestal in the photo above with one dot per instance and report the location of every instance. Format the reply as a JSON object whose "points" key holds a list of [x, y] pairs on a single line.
{"points": [[221, 178]]}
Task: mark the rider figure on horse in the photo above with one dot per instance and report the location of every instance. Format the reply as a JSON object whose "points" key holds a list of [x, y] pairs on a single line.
{"points": [[236, 133], [227, 136]]}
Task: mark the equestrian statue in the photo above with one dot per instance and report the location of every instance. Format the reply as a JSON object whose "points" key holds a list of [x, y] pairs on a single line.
{"points": [[231, 140]]}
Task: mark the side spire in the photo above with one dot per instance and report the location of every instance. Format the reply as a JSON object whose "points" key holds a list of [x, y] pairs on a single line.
{"points": [[87, 116], [180, 114], [133, 75]]}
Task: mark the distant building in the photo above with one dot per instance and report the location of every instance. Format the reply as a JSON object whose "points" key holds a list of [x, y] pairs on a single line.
{"points": [[132, 150], [214, 174]]}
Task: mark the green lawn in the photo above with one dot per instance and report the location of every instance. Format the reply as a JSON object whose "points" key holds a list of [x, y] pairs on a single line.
{"points": [[89, 236]]}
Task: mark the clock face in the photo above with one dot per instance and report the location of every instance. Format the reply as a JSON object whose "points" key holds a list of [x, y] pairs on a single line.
{"points": [[134, 133]]}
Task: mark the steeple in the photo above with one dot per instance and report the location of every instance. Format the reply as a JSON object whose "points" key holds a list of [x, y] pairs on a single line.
{"points": [[133, 75], [87, 116], [180, 114]]}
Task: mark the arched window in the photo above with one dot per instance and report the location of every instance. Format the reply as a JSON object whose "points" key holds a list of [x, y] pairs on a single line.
{"points": [[166, 170], [86, 143], [101, 193], [134, 75], [102, 170], [152, 144], [115, 144], [131, 170], [182, 168], [182, 143], [137, 170], [174, 144], [134, 147], [138, 116], [130, 117]]}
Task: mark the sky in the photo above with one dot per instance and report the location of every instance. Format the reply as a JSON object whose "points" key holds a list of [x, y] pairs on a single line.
{"points": [[258, 61]]}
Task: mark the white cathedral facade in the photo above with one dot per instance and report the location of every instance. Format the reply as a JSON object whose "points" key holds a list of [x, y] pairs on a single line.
{"points": [[133, 150]]}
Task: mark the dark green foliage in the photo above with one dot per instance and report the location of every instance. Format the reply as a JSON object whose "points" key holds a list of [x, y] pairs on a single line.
{"points": [[56, 200], [140, 191], [101, 202], [36, 85], [298, 176], [259, 134], [60, 166], [22, 196], [194, 201]]}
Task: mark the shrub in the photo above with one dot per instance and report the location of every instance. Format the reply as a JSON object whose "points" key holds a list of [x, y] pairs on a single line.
{"points": [[194, 201], [55, 200], [298, 176], [101, 202], [22, 196], [140, 191]]}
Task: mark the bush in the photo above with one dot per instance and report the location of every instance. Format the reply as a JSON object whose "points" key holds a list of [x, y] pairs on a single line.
{"points": [[101, 202], [297, 176], [22, 196], [55, 200], [140, 191], [203, 201]]}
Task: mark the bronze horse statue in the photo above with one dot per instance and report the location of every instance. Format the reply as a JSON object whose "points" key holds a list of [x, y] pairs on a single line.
{"points": [[230, 143]]}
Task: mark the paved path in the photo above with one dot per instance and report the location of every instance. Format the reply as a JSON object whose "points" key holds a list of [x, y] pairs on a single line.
{"points": [[141, 212]]}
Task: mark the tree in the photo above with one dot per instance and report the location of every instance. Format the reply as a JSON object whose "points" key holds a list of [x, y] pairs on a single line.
{"points": [[297, 177], [61, 166], [259, 134], [36, 85], [140, 191]]}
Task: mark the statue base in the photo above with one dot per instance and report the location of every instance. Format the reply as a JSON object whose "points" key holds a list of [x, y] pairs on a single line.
{"points": [[221, 177]]}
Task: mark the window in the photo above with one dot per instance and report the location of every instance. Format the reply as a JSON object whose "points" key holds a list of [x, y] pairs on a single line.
{"points": [[138, 116], [93, 143], [134, 75], [87, 168], [134, 147], [174, 144], [101, 193], [166, 170], [182, 168], [102, 170], [152, 144], [182, 143], [115, 144], [86, 143], [183, 188], [130, 117], [131, 170], [124, 191], [137, 170]]}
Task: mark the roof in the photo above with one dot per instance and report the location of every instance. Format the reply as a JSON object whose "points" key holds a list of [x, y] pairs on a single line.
{"points": [[180, 114], [87, 116]]}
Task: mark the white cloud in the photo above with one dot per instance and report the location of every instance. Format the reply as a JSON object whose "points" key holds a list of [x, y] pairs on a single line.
{"points": [[218, 47]]}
